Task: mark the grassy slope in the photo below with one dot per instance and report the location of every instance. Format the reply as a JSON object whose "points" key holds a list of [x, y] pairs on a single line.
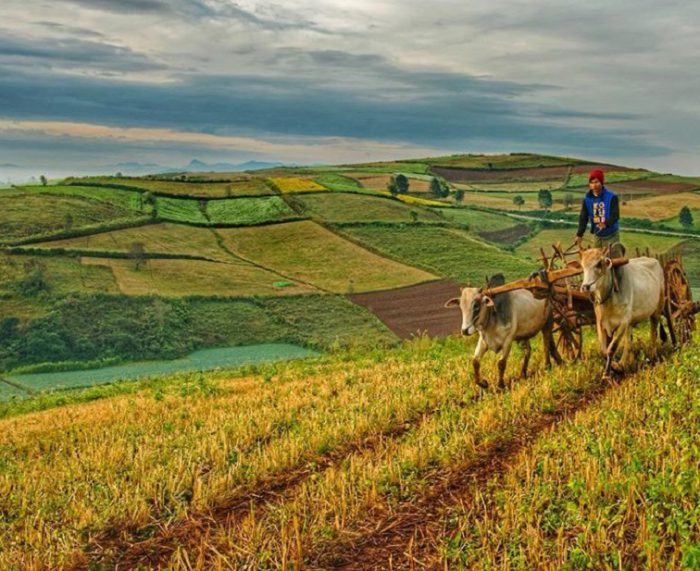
{"points": [[307, 251], [627, 463], [241, 185]]}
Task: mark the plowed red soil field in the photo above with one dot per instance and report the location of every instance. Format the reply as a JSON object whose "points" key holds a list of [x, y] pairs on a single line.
{"points": [[655, 186], [412, 310]]}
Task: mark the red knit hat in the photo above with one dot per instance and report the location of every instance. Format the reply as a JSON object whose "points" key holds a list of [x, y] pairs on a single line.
{"points": [[597, 173]]}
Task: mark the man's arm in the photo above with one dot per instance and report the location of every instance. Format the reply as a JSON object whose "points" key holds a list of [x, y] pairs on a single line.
{"points": [[582, 220], [614, 212]]}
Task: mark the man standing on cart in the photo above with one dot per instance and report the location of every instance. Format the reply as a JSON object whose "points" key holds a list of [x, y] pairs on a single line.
{"points": [[602, 208]]}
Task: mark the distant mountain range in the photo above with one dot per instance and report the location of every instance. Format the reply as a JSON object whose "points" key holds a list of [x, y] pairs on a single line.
{"points": [[195, 165]]}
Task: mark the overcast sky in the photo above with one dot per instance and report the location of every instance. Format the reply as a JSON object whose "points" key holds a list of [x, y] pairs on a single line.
{"points": [[86, 83]]}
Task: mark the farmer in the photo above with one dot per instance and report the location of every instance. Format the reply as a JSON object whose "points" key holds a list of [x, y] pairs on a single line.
{"points": [[602, 208]]}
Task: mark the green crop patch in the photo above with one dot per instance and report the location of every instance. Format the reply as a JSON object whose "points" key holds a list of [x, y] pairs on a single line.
{"points": [[248, 211], [444, 251], [182, 210], [239, 186], [345, 207], [339, 182]]}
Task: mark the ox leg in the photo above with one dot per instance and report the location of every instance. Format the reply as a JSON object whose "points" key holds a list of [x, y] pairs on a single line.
{"points": [[550, 347], [481, 348], [655, 321], [618, 335], [502, 361], [526, 357]]}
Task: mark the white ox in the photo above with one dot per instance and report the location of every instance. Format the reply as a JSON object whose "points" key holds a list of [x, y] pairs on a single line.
{"points": [[640, 296], [507, 317]]}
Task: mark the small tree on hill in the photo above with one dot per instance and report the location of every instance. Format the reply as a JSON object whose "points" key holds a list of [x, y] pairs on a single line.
{"points": [[518, 201], [402, 183], [137, 254], [439, 188], [685, 217], [544, 197], [459, 195], [43, 180]]}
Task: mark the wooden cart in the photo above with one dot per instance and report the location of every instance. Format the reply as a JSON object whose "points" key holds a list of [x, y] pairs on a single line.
{"points": [[560, 281]]}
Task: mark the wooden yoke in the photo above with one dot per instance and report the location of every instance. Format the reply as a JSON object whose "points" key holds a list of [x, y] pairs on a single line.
{"points": [[545, 279]]}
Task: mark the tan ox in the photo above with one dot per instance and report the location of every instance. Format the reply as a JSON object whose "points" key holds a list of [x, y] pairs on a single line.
{"points": [[507, 317], [640, 296]]}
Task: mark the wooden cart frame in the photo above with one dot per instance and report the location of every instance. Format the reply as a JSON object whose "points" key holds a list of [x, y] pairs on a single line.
{"points": [[559, 280]]}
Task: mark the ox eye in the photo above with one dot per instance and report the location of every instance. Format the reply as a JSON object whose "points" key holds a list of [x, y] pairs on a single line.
{"points": [[599, 264]]}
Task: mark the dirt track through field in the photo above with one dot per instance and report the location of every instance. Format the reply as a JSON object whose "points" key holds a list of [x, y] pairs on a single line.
{"points": [[405, 538], [412, 310], [122, 549]]}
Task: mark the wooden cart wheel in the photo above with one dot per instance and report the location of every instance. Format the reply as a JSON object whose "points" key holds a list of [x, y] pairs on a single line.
{"points": [[680, 309], [567, 331]]}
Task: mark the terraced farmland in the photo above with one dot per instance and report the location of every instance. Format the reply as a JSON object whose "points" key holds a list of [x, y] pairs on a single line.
{"points": [[248, 211], [291, 185], [238, 186], [308, 252]]}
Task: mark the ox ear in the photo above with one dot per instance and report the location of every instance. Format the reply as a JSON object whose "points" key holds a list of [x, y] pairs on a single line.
{"points": [[488, 301], [454, 302], [608, 262]]}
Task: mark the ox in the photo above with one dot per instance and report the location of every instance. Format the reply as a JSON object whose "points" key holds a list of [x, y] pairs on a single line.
{"points": [[639, 296], [507, 317]]}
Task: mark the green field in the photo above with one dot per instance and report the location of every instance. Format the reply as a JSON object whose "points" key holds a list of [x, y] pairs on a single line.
{"points": [[446, 252], [204, 360], [126, 199], [27, 213], [308, 252], [240, 186], [631, 240], [339, 182], [498, 162], [611, 177], [345, 207], [477, 220], [181, 210], [247, 211]]}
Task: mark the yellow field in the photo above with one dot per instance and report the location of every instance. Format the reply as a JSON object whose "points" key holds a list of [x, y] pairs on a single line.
{"points": [[194, 277], [315, 255], [162, 238], [292, 185], [660, 207]]}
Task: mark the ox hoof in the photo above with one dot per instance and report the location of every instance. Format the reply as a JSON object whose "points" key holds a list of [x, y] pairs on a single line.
{"points": [[482, 383], [617, 368]]}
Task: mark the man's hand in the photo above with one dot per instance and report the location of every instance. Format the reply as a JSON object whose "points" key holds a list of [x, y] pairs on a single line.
{"points": [[601, 226]]}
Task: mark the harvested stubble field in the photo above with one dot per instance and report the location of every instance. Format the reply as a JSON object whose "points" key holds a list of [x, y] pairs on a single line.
{"points": [[195, 277], [364, 460], [307, 252], [658, 208], [658, 186], [296, 184]]}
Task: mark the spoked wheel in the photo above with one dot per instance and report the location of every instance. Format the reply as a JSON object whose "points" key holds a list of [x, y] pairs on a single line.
{"points": [[680, 310], [567, 333]]}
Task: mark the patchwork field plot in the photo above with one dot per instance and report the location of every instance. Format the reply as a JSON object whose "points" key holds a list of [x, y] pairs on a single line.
{"points": [[295, 184], [514, 187], [194, 277], [524, 174], [181, 210], [446, 252], [247, 211], [164, 238], [498, 162], [27, 213], [477, 220], [335, 181], [55, 275], [660, 207], [344, 207], [612, 177], [506, 235], [128, 200], [631, 240], [654, 185], [240, 186], [415, 310], [309, 252]]}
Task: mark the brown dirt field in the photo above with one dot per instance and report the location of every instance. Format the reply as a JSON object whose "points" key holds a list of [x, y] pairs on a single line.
{"points": [[660, 207], [540, 173], [507, 235], [656, 186], [412, 310]]}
